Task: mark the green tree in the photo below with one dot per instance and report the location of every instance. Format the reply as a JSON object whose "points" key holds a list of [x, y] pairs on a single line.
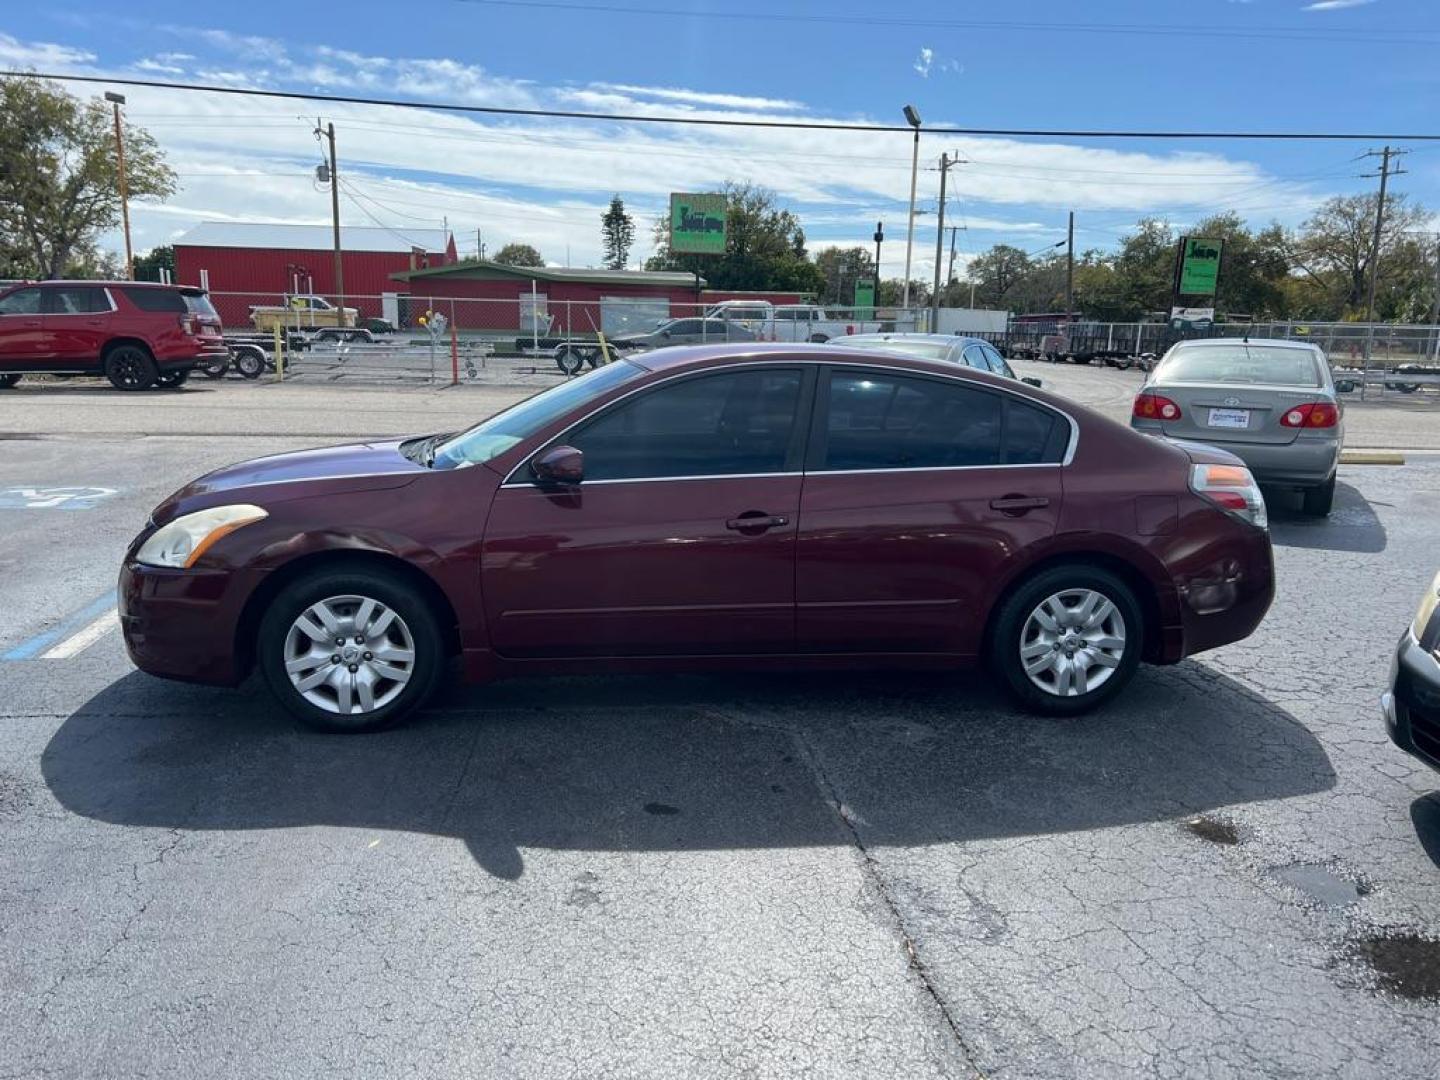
{"points": [[149, 265], [58, 174], [995, 273], [1333, 249], [841, 268], [764, 247], [617, 232], [519, 255]]}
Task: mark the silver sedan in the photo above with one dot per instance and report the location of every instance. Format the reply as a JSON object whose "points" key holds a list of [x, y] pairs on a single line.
{"points": [[951, 348], [1271, 403]]}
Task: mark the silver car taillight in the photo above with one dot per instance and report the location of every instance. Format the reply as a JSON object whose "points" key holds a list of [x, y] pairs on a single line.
{"points": [[1233, 489]]}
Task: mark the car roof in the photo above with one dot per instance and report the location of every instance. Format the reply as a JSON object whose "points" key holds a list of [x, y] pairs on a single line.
{"points": [[99, 283], [938, 339]]}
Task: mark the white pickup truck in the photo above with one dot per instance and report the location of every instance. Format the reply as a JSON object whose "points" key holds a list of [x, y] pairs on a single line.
{"points": [[789, 322]]}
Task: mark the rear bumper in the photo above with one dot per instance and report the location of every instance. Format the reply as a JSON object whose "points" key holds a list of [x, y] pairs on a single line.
{"points": [[1225, 601], [1309, 461], [1411, 708]]}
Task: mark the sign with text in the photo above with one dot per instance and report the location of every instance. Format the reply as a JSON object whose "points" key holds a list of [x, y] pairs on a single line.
{"points": [[697, 224], [1192, 318], [865, 299], [1199, 272]]}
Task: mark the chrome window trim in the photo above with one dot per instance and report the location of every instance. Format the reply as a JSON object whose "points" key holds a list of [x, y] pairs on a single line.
{"points": [[785, 363]]}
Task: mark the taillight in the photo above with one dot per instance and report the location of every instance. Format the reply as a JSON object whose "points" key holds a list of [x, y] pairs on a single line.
{"points": [[1233, 489], [1155, 407], [1314, 414], [190, 324]]}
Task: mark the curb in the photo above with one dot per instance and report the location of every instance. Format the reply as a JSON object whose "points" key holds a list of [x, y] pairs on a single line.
{"points": [[1371, 457]]}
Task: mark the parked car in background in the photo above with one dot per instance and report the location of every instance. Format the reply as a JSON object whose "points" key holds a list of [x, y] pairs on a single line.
{"points": [[681, 509], [946, 348], [1271, 403], [684, 332], [1411, 706], [136, 334], [789, 322], [301, 311]]}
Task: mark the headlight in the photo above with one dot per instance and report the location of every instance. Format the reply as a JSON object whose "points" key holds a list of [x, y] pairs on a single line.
{"points": [[186, 538], [1426, 609]]}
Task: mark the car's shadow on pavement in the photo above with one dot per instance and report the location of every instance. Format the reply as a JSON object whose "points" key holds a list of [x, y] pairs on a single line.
{"points": [[1425, 816], [687, 763], [1352, 525]]}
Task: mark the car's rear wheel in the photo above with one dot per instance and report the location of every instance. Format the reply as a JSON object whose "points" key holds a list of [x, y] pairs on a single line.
{"points": [[130, 367], [351, 651], [1068, 639], [1318, 500], [169, 380], [7, 381]]}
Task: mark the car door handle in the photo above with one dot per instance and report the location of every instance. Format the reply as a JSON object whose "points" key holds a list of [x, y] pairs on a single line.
{"points": [[756, 519], [1019, 504]]}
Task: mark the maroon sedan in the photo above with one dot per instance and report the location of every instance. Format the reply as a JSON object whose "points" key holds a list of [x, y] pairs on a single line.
{"points": [[713, 507]]}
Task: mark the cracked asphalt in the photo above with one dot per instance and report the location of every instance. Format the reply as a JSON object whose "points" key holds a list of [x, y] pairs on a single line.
{"points": [[847, 875]]}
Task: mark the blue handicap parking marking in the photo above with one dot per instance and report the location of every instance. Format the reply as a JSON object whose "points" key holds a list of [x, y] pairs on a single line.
{"points": [[32, 647], [53, 498]]}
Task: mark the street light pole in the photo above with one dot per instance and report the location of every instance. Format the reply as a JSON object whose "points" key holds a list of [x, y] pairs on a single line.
{"points": [[913, 119], [116, 100], [879, 239]]}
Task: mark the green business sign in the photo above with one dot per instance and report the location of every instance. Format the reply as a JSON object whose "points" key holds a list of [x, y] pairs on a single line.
{"points": [[697, 224], [865, 299], [1199, 266]]}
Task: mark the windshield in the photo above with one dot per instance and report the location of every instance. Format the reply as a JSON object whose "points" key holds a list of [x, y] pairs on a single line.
{"points": [[1239, 363], [491, 438], [924, 350]]}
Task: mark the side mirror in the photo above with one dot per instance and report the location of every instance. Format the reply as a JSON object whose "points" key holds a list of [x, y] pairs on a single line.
{"points": [[559, 465], [664, 333], [1029, 381]]}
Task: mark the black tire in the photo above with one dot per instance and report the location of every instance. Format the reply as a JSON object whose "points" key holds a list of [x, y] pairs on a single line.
{"points": [[250, 362], [216, 369], [7, 381], [130, 367], [1010, 624], [408, 603], [1317, 501], [569, 360], [171, 380]]}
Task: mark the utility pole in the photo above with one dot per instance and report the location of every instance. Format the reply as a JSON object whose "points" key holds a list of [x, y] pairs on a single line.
{"points": [[329, 133], [879, 239], [950, 271], [116, 100], [1385, 173], [945, 162], [912, 117], [1070, 268]]}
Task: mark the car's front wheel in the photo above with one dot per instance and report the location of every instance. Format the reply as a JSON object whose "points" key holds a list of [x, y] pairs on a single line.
{"points": [[1068, 639], [351, 650], [7, 381]]}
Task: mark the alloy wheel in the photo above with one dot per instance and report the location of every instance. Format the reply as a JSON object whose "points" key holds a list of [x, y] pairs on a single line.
{"points": [[349, 655], [1072, 642]]}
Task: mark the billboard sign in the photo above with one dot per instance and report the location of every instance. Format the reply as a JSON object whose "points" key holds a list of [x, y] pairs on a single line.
{"points": [[697, 224], [1192, 318], [1199, 272], [865, 299]]}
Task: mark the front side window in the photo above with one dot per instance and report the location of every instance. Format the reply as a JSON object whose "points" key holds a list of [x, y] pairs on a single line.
{"points": [[491, 438], [734, 423], [975, 358], [996, 361], [893, 422], [21, 302]]}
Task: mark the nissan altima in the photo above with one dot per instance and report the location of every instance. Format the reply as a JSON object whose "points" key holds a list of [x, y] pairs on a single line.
{"points": [[717, 507]]}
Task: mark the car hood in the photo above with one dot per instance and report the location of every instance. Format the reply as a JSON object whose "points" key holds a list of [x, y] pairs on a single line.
{"points": [[302, 473]]}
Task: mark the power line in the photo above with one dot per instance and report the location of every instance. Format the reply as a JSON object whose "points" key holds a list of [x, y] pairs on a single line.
{"points": [[1264, 33], [706, 121]]}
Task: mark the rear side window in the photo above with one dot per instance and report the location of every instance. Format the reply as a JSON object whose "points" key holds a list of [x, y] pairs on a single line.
{"points": [[75, 300], [1033, 436], [156, 299], [21, 302], [893, 422], [713, 425]]}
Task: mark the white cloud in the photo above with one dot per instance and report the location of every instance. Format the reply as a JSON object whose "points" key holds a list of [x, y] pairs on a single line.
{"points": [[1335, 5], [15, 53], [923, 62], [697, 97]]}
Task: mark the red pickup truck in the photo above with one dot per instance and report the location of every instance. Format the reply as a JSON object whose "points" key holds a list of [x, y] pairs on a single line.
{"points": [[136, 334]]}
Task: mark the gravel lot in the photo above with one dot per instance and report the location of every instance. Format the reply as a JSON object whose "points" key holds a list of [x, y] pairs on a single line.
{"points": [[1230, 872]]}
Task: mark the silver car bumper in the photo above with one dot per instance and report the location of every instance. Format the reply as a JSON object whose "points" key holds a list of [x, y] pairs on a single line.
{"points": [[1309, 461]]}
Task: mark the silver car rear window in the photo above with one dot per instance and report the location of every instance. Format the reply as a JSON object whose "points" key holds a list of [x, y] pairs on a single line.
{"points": [[924, 350], [1239, 363]]}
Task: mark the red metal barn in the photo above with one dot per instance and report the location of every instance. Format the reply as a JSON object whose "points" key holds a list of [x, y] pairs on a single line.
{"points": [[251, 263], [482, 295]]}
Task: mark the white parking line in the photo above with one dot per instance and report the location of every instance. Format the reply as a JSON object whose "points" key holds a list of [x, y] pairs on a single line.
{"points": [[83, 638]]}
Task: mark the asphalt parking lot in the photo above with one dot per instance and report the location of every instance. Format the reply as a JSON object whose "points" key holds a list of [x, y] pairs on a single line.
{"points": [[1228, 872]]}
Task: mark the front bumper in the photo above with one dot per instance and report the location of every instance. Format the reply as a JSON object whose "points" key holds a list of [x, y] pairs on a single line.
{"points": [[1411, 707], [183, 624]]}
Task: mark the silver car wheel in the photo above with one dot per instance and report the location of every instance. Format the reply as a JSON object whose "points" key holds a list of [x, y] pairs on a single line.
{"points": [[349, 655], [1072, 642]]}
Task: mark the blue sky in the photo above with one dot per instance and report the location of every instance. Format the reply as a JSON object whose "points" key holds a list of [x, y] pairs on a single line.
{"points": [[1343, 65]]}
